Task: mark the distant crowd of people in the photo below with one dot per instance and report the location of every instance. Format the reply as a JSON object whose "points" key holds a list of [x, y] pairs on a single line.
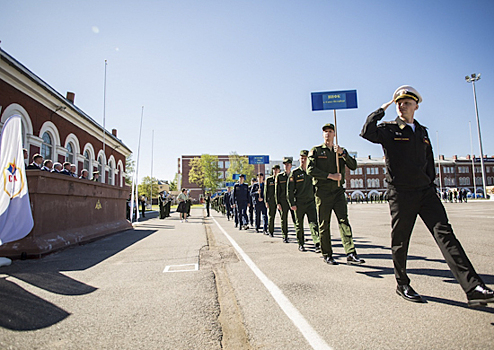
{"points": [[66, 168]]}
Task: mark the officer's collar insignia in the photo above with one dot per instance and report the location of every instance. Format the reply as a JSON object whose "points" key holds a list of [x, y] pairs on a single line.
{"points": [[402, 126]]}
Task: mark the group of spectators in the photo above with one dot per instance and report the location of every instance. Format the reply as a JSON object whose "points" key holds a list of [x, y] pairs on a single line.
{"points": [[55, 167]]}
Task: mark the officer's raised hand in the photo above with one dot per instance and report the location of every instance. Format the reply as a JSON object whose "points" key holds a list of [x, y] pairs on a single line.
{"points": [[387, 104]]}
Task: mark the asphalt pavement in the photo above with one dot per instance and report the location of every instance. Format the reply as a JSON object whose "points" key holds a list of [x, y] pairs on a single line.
{"points": [[203, 284]]}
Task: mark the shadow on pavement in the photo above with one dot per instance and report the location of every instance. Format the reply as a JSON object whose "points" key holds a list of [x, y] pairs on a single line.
{"points": [[21, 310]]}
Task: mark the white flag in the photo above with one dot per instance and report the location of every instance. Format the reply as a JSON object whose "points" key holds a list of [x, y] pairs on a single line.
{"points": [[16, 219]]}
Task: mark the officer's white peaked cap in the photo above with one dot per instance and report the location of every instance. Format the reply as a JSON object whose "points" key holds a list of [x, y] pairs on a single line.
{"points": [[406, 91]]}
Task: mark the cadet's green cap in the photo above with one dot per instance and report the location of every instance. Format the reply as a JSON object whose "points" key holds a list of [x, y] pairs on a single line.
{"points": [[329, 125], [276, 166], [304, 152], [287, 160]]}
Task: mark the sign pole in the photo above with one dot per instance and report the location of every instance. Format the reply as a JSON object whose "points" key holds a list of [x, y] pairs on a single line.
{"points": [[336, 152]]}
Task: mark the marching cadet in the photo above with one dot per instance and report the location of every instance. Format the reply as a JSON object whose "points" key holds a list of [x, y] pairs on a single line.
{"points": [[251, 207], [241, 199], [270, 198], [227, 199], [410, 173], [330, 194], [281, 199], [301, 199], [168, 204], [261, 205]]}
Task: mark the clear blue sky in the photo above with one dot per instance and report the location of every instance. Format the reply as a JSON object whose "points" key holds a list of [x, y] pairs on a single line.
{"points": [[222, 76]]}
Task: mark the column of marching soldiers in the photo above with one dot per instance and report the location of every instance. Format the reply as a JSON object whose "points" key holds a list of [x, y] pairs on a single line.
{"points": [[293, 192]]}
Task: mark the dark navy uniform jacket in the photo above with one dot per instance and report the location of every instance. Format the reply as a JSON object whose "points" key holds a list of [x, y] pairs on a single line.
{"points": [[227, 199], [241, 193], [254, 193], [409, 158]]}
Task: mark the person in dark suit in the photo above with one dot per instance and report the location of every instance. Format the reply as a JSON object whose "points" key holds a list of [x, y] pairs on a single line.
{"points": [[37, 162]]}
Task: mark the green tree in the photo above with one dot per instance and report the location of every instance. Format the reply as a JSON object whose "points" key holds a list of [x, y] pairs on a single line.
{"points": [[204, 172], [174, 183], [129, 169], [144, 187], [240, 165]]}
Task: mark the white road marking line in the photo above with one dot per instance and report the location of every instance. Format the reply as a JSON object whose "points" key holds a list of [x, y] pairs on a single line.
{"points": [[168, 267], [293, 314]]}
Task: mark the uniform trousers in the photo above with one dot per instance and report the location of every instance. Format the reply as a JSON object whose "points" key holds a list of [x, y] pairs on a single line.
{"points": [[326, 203], [308, 209], [261, 210], [285, 209], [235, 215], [404, 207], [228, 211], [271, 217], [251, 214], [242, 213]]}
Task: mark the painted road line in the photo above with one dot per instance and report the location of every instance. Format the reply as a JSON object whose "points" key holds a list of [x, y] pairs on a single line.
{"points": [[291, 311], [181, 268]]}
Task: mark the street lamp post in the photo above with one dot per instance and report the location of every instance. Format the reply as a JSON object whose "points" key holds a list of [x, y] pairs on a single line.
{"points": [[472, 79]]}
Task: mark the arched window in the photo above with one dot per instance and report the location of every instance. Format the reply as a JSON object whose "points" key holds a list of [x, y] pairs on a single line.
{"points": [[87, 164], [47, 146], [69, 157]]}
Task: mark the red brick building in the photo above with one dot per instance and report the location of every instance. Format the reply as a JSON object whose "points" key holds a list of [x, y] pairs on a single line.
{"points": [[55, 127]]}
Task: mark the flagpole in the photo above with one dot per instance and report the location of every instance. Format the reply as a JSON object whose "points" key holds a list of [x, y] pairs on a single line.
{"points": [[152, 150], [104, 115], [138, 156]]}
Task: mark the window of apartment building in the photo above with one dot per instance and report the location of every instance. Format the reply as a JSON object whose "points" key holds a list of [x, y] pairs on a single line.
{"points": [[69, 156], [372, 171], [464, 181], [221, 164], [227, 164], [357, 171]]}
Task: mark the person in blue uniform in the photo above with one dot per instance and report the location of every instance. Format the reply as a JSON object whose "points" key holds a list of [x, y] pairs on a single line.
{"points": [[241, 199], [257, 195], [410, 174], [253, 181], [228, 206]]}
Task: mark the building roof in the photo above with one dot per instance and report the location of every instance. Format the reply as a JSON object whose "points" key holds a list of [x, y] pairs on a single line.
{"points": [[11, 61]]}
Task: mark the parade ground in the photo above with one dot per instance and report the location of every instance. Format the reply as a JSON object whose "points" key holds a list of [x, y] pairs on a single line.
{"points": [[204, 284]]}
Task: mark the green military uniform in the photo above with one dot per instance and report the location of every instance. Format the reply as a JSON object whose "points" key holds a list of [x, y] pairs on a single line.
{"points": [[280, 189], [269, 197], [300, 193], [331, 196]]}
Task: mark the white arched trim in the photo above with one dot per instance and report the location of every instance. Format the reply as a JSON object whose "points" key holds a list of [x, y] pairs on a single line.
{"points": [[89, 147], [102, 154], [50, 128], [75, 141], [15, 108], [120, 172], [358, 193]]}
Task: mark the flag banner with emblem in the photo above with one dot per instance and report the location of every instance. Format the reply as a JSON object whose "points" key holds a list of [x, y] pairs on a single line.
{"points": [[16, 218]]}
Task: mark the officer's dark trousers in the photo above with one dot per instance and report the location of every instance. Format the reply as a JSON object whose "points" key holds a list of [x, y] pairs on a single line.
{"points": [[228, 211], [235, 214], [251, 214], [404, 207], [242, 213], [207, 208], [261, 210], [285, 209], [271, 217]]}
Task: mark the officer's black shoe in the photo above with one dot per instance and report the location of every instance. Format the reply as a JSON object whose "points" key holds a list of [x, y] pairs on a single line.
{"points": [[271, 235], [257, 230], [246, 227], [480, 296], [329, 260], [265, 232], [301, 248], [407, 293], [353, 259], [285, 239], [317, 248]]}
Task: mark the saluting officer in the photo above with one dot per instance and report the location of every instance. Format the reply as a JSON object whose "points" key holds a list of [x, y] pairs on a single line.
{"points": [[270, 198], [281, 199], [330, 194], [301, 200], [410, 173]]}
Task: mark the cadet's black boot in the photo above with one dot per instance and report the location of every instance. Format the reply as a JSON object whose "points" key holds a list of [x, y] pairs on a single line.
{"points": [[353, 259], [301, 248], [285, 239], [329, 260], [317, 248], [407, 293], [480, 296]]}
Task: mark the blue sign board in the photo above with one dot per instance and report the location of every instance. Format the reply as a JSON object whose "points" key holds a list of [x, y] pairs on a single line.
{"points": [[229, 184], [258, 159], [334, 100], [236, 176]]}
